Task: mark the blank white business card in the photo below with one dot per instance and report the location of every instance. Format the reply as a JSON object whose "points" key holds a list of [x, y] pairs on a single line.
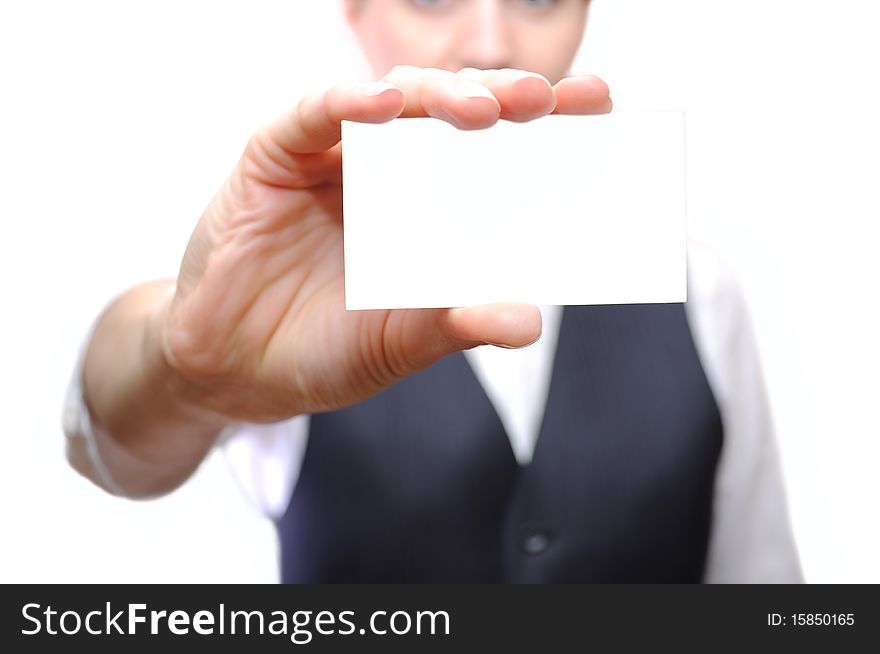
{"points": [[559, 210]]}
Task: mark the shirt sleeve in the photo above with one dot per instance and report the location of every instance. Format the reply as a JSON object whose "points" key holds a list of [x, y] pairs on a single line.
{"points": [[265, 459], [751, 539], [76, 422]]}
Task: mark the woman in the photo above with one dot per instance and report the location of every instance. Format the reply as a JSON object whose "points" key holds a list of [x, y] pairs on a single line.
{"points": [[410, 460]]}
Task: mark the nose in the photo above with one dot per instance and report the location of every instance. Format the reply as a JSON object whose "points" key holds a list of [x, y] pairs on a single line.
{"points": [[486, 39]]}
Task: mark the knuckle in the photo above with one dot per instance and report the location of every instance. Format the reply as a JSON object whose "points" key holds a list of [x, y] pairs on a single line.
{"points": [[396, 362], [328, 96], [256, 144]]}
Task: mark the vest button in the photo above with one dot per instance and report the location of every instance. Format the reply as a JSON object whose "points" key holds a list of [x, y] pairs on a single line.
{"points": [[534, 541]]}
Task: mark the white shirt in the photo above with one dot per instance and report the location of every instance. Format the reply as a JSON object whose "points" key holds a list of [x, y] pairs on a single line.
{"points": [[751, 539]]}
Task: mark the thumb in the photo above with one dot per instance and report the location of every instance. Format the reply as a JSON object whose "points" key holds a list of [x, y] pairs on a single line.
{"points": [[427, 335]]}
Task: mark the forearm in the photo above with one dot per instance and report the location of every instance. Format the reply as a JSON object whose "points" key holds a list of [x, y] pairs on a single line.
{"points": [[148, 433]]}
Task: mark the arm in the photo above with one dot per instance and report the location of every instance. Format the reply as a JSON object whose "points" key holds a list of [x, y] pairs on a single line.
{"points": [[132, 430], [751, 539], [254, 328]]}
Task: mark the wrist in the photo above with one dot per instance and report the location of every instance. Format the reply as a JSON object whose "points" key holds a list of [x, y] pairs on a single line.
{"points": [[192, 401], [147, 431]]}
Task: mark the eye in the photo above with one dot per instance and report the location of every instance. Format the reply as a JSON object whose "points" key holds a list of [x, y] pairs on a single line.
{"points": [[537, 4], [429, 4], [534, 7]]}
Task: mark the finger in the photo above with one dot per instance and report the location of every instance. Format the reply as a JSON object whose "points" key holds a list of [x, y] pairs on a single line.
{"points": [[582, 94], [523, 95], [443, 94], [315, 124]]}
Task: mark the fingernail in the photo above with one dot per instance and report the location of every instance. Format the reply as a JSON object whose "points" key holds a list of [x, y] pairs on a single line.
{"points": [[376, 88], [504, 345], [524, 74], [470, 89]]}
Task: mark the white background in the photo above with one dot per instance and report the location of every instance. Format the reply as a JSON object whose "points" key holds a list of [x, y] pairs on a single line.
{"points": [[118, 120]]}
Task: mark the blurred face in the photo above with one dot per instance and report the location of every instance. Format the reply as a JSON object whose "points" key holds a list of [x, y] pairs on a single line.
{"points": [[541, 36]]}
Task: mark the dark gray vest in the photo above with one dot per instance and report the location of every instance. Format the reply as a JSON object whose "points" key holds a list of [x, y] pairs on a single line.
{"points": [[419, 483]]}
